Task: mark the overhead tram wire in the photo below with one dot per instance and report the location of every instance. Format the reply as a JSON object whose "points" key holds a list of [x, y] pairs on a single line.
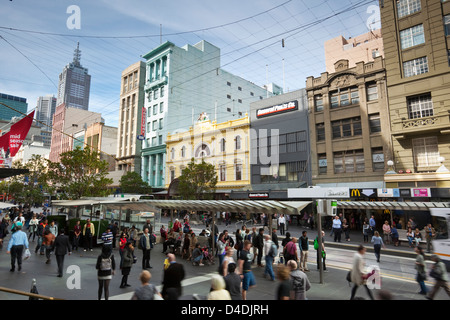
{"points": [[148, 36], [28, 116]]}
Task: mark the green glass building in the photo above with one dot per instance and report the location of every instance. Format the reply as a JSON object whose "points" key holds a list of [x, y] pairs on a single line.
{"points": [[16, 103]]}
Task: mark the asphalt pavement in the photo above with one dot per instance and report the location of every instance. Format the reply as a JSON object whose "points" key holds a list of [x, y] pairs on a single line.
{"points": [[79, 281]]}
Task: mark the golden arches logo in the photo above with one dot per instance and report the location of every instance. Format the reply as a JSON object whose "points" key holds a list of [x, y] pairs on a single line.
{"points": [[355, 193]]}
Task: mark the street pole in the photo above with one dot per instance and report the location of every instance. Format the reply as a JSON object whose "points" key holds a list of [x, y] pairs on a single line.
{"points": [[320, 209]]}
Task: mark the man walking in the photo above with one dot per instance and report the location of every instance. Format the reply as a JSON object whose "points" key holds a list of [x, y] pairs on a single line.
{"points": [[173, 276], [282, 224], [245, 269], [107, 238], [16, 245], [61, 248], [358, 276], [304, 247], [146, 245], [270, 252], [40, 231], [258, 242]]}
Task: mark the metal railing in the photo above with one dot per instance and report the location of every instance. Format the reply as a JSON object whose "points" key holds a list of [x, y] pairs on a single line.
{"points": [[28, 294]]}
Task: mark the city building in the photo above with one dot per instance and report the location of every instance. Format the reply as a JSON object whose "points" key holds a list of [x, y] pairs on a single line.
{"points": [[417, 34], [74, 84], [66, 122], [182, 82], [225, 145], [103, 139], [349, 125], [45, 109], [365, 47], [27, 151], [279, 142], [131, 129], [15, 103]]}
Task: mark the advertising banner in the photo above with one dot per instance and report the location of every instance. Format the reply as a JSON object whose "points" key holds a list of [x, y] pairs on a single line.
{"points": [[12, 141]]}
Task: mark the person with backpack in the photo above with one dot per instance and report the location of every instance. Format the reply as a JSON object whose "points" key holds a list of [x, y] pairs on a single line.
{"points": [[105, 266], [270, 252], [320, 253], [290, 251], [299, 282]]}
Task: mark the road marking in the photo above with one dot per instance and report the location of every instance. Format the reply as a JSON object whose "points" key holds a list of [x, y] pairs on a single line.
{"points": [[184, 283]]}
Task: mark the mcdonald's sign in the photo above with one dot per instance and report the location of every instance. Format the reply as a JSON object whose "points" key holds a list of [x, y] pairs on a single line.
{"points": [[355, 193]]}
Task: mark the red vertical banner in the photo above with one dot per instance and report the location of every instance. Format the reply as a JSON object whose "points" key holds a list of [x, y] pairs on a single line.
{"points": [[143, 122], [16, 135]]}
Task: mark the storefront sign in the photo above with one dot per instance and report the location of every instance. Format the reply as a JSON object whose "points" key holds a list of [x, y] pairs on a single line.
{"points": [[405, 193], [319, 193], [389, 193], [420, 192], [358, 193], [280, 108], [258, 195]]}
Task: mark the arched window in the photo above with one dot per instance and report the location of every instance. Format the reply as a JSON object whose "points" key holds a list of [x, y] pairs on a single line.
{"points": [[202, 151], [183, 151], [222, 171], [172, 153], [238, 170]]}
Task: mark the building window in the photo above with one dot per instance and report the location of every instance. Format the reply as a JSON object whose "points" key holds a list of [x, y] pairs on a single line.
{"points": [[349, 161], [240, 88], [252, 94], [322, 157], [183, 151], [155, 109], [372, 92], [238, 171], [172, 153], [223, 172], [318, 102], [155, 94], [202, 151], [426, 152], [222, 145], [407, 7], [172, 174], [447, 25], [161, 107], [420, 106], [346, 128], [154, 141], [228, 83], [160, 124], [320, 130], [228, 96], [374, 123], [412, 36], [240, 100], [415, 67], [375, 53], [161, 92], [344, 97], [154, 125], [160, 139], [377, 159], [237, 141]]}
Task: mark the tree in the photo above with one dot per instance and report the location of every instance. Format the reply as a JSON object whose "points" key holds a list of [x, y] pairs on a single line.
{"points": [[132, 182], [28, 188], [80, 173], [198, 181]]}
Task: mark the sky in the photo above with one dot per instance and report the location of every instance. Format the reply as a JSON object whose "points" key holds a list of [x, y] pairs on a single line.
{"points": [[38, 37]]}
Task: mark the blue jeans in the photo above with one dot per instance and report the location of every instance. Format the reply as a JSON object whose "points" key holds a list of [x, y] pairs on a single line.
{"points": [[269, 268]]}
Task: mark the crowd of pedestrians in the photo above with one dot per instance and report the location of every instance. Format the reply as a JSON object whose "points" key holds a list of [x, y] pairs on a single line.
{"points": [[237, 256]]}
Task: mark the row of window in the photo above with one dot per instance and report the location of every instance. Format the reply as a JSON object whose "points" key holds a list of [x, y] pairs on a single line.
{"points": [[156, 93], [204, 151], [346, 97], [350, 127], [290, 171], [222, 172]]}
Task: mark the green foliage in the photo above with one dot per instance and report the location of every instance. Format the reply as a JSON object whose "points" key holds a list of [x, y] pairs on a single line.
{"points": [[132, 182], [80, 173], [198, 181]]}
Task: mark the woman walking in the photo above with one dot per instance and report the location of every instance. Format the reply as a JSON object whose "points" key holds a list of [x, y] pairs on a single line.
{"points": [[358, 276], [127, 262], [421, 270], [32, 227], [105, 266], [377, 243]]}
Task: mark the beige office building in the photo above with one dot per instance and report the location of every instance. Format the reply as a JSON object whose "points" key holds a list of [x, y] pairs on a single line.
{"points": [[349, 125], [416, 35], [131, 108], [365, 47]]}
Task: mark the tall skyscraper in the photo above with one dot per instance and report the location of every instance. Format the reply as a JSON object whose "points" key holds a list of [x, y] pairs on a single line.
{"points": [[74, 84], [45, 108]]}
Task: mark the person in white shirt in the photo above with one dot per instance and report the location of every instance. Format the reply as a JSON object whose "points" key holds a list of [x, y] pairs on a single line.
{"points": [[357, 273], [281, 224], [269, 257], [337, 228]]}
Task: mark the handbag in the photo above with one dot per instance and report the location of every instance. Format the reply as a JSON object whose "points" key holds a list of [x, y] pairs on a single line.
{"points": [[26, 254]]}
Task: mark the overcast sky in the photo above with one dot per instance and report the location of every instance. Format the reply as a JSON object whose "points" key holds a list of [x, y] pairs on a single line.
{"points": [[113, 34]]}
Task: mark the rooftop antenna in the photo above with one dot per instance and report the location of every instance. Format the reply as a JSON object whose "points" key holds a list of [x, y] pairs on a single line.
{"points": [[77, 55]]}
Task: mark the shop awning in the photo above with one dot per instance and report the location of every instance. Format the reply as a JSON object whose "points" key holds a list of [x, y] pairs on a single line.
{"points": [[392, 205]]}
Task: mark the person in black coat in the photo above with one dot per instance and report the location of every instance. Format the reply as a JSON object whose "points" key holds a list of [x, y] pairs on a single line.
{"points": [[173, 276], [61, 247]]}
